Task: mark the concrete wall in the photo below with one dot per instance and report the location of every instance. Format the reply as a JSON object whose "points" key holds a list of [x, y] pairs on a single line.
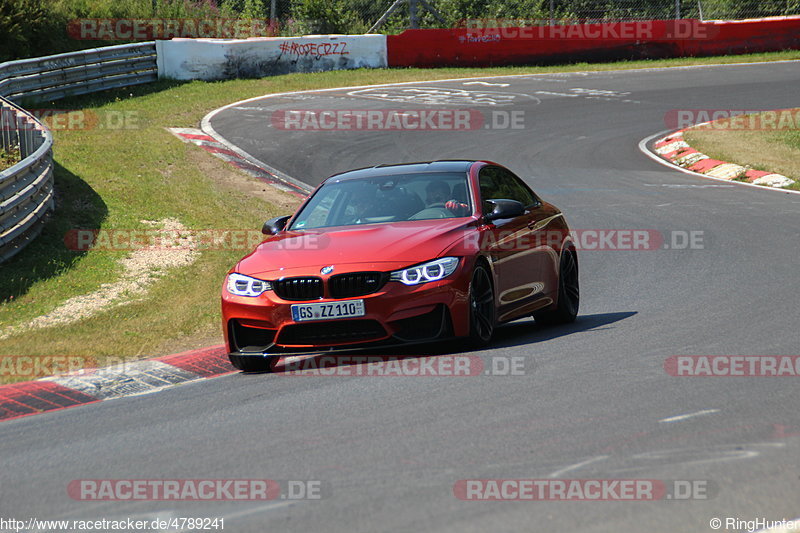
{"points": [[217, 59]]}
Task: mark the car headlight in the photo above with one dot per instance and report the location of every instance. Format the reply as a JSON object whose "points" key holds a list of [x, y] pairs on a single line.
{"points": [[426, 272], [242, 285]]}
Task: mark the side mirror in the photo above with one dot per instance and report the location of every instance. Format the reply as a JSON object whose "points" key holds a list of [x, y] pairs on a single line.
{"points": [[498, 209], [275, 225]]}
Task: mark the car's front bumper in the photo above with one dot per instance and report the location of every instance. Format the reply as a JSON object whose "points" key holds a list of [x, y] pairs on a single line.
{"points": [[395, 314]]}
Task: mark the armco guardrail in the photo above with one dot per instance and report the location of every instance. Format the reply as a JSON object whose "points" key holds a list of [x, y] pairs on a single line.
{"points": [[26, 189], [97, 69]]}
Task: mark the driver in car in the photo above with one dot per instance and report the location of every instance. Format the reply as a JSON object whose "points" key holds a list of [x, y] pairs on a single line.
{"points": [[438, 195], [363, 201]]}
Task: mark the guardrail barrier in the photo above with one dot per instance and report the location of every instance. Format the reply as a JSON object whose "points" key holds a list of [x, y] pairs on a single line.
{"points": [[26, 189], [96, 69]]}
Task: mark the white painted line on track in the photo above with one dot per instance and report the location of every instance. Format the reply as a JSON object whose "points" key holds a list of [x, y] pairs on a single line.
{"points": [[683, 457], [576, 466], [687, 416], [262, 508], [552, 93], [486, 83], [205, 123]]}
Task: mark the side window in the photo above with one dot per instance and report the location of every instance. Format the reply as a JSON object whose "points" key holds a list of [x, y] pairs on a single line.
{"points": [[488, 183], [322, 210], [497, 183]]}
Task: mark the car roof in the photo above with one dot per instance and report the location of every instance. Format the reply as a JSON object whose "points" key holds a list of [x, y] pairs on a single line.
{"points": [[404, 168]]}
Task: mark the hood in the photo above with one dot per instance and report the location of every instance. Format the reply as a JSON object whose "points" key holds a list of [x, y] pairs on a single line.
{"points": [[394, 244]]}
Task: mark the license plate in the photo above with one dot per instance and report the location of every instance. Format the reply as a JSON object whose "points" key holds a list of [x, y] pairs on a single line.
{"points": [[328, 310]]}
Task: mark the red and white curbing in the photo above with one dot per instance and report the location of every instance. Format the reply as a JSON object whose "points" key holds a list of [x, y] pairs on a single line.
{"points": [[127, 379], [677, 151], [213, 146], [139, 377]]}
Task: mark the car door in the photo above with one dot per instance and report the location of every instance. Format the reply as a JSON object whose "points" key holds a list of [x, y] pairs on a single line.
{"points": [[523, 258]]}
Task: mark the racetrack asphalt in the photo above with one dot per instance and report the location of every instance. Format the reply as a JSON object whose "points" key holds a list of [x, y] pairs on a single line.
{"points": [[593, 401]]}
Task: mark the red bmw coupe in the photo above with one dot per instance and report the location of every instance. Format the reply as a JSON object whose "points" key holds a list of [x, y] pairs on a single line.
{"points": [[401, 254]]}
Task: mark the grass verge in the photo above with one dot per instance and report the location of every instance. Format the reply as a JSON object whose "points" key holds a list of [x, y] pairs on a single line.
{"points": [[113, 178], [8, 157], [769, 141]]}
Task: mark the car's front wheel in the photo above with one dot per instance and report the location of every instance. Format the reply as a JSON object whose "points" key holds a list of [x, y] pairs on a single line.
{"points": [[481, 307], [566, 309]]}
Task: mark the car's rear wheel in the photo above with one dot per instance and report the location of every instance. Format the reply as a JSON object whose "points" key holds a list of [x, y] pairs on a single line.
{"points": [[254, 363], [566, 309], [481, 307]]}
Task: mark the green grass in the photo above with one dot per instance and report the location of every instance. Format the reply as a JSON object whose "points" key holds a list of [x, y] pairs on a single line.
{"points": [[8, 157], [768, 148], [114, 178]]}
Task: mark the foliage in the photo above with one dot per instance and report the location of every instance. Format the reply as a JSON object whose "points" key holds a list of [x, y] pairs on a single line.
{"points": [[30, 28], [9, 157], [24, 26]]}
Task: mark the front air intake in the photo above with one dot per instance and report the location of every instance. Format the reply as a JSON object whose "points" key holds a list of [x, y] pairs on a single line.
{"points": [[299, 289]]}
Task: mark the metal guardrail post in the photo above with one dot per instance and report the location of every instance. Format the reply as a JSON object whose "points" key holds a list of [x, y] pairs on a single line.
{"points": [[26, 189]]}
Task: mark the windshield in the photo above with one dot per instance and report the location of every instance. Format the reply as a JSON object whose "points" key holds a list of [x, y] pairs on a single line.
{"points": [[422, 196]]}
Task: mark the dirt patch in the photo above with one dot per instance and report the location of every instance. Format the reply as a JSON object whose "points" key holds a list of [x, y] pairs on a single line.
{"points": [[139, 270], [229, 178]]}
